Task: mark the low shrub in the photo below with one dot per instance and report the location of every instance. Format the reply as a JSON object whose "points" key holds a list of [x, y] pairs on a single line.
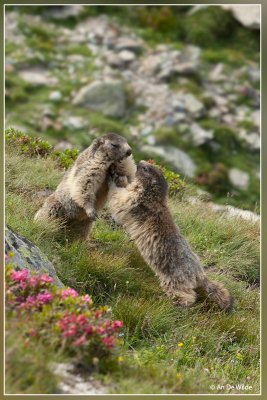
{"points": [[61, 318]]}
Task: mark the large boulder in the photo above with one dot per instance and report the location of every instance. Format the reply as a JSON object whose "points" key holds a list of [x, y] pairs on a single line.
{"points": [[107, 97], [27, 255], [239, 179], [178, 158]]}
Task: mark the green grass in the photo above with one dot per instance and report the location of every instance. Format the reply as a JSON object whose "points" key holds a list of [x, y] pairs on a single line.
{"points": [[217, 348]]}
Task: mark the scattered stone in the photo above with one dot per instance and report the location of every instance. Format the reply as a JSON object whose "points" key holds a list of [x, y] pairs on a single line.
{"points": [[256, 118], [55, 96], [107, 97], [247, 15], [63, 145], [27, 255], [252, 139], [238, 178], [178, 158], [199, 135], [190, 104], [38, 77], [126, 56], [72, 382], [63, 12], [125, 43], [216, 74], [73, 122], [233, 212]]}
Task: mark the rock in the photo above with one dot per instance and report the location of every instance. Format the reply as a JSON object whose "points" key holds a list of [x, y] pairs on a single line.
{"points": [[37, 77], [151, 140], [238, 178], [178, 158], [72, 382], [63, 145], [125, 43], [233, 212], [216, 74], [27, 255], [247, 15], [73, 122], [199, 135], [126, 56], [252, 139], [175, 118], [107, 97], [63, 12], [190, 104], [256, 118], [55, 95]]}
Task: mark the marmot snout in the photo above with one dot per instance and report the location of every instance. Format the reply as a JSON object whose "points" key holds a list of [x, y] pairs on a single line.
{"points": [[141, 207]]}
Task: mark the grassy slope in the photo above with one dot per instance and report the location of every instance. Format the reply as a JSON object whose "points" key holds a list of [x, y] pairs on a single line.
{"points": [[218, 348]]}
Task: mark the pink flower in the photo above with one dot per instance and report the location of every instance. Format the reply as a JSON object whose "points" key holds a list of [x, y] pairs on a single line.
{"points": [[19, 275], [71, 331], [33, 281], [117, 324], [81, 340], [30, 301], [44, 298], [86, 298], [97, 314], [44, 278], [108, 341], [68, 292], [81, 319], [100, 330]]}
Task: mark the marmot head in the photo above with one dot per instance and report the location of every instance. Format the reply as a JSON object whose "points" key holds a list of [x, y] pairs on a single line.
{"points": [[152, 181], [113, 146]]}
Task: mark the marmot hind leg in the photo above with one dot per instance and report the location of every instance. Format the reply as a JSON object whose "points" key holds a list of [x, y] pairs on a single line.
{"points": [[184, 297], [79, 230], [51, 209]]}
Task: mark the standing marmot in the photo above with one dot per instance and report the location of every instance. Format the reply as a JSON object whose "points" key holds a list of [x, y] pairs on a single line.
{"points": [[83, 190], [141, 208]]}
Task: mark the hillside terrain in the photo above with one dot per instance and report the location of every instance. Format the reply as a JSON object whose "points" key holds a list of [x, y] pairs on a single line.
{"points": [[165, 348], [183, 86]]}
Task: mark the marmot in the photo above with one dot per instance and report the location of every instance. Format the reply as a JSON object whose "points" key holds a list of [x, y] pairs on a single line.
{"points": [[141, 208], [83, 190]]}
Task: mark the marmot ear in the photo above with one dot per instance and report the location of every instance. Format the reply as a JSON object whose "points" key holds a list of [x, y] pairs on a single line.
{"points": [[97, 143]]}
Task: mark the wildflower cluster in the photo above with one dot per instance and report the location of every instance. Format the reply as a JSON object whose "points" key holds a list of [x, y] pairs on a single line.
{"points": [[176, 185], [60, 316], [36, 147]]}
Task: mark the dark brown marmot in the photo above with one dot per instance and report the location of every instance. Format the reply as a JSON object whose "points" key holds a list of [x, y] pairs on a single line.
{"points": [[141, 207], [83, 190]]}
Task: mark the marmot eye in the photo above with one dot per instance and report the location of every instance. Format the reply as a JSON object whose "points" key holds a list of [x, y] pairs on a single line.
{"points": [[115, 145]]}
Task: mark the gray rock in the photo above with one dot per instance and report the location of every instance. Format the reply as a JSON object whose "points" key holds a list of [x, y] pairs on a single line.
{"points": [[27, 255], [37, 77], [256, 118], [199, 135], [63, 145], [125, 43], [247, 15], [55, 95], [178, 158], [73, 122], [126, 56], [190, 104], [64, 12], [252, 139], [239, 179], [107, 97]]}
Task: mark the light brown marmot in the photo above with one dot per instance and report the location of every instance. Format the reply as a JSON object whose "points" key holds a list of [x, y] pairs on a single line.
{"points": [[141, 207], [83, 190]]}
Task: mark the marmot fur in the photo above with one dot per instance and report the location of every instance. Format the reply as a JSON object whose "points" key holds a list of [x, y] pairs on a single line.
{"points": [[141, 207], [83, 190]]}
